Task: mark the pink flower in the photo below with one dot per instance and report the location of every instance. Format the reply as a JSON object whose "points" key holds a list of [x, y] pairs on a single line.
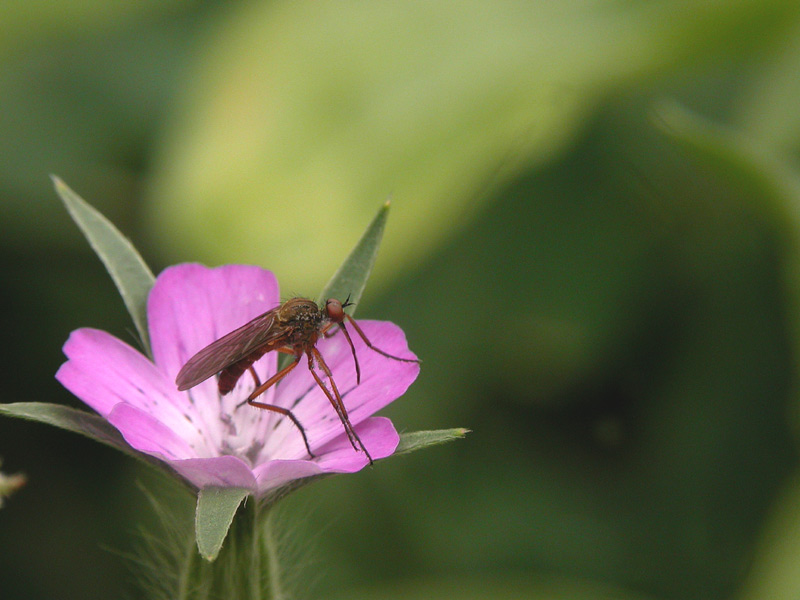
{"points": [[214, 440]]}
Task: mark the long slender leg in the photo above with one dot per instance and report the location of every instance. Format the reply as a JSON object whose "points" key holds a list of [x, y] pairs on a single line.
{"points": [[338, 397], [327, 328], [255, 375], [273, 380], [260, 389], [336, 400], [353, 350], [375, 348], [286, 413], [349, 341], [336, 406]]}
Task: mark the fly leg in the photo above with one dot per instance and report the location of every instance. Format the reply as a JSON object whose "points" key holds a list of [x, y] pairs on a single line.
{"points": [[335, 400], [363, 336], [263, 387]]}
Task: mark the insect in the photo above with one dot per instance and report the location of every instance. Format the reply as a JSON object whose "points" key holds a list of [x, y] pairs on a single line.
{"points": [[293, 328]]}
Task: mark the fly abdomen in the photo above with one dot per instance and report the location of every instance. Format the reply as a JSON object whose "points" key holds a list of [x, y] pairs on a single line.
{"points": [[230, 374]]}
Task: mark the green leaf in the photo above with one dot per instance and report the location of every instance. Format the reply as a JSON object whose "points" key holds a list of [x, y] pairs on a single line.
{"points": [[506, 586], [749, 170], [440, 105], [351, 278], [131, 275], [71, 419], [216, 507], [754, 174], [773, 571], [746, 166], [766, 105], [417, 440]]}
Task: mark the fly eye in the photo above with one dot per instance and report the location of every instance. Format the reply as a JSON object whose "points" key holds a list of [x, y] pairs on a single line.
{"points": [[335, 311]]}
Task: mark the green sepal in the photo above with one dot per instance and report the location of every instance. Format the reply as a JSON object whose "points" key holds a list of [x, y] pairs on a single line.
{"points": [[417, 440], [132, 276], [216, 507], [351, 278], [85, 423], [65, 417]]}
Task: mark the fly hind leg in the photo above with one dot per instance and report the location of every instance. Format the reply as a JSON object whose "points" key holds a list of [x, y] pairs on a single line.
{"points": [[263, 387]]}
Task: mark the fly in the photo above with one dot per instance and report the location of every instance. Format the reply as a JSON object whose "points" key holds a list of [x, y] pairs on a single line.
{"points": [[292, 328]]}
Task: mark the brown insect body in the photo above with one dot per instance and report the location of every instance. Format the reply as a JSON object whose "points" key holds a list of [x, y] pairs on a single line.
{"points": [[301, 321], [292, 328], [230, 375]]}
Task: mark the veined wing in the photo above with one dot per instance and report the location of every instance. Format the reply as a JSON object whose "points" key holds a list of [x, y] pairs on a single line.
{"points": [[228, 349]]}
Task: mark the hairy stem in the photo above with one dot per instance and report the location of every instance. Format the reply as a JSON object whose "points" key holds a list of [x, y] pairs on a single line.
{"points": [[186, 570], [273, 563]]}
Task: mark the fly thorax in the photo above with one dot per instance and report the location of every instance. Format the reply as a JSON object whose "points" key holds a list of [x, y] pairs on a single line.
{"points": [[303, 321]]}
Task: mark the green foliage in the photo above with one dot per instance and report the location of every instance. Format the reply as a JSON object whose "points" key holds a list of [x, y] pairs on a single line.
{"points": [[350, 279], [337, 105], [607, 300], [131, 275], [78, 421]]}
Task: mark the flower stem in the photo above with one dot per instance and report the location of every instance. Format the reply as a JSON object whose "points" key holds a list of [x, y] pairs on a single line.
{"points": [[273, 564], [255, 553], [246, 568], [186, 570]]}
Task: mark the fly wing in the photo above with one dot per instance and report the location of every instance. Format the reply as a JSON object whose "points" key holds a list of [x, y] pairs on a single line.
{"points": [[228, 349]]}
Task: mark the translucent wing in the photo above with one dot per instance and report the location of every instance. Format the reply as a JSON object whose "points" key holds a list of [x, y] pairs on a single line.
{"points": [[228, 349]]}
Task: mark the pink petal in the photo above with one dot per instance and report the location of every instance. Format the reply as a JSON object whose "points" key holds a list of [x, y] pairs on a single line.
{"points": [[382, 381], [277, 473], [338, 456], [192, 305], [104, 371], [218, 471], [147, 434], [378, 435]]}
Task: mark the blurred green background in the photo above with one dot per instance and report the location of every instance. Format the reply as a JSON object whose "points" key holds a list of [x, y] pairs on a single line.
{"points": [[593, 245]]}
